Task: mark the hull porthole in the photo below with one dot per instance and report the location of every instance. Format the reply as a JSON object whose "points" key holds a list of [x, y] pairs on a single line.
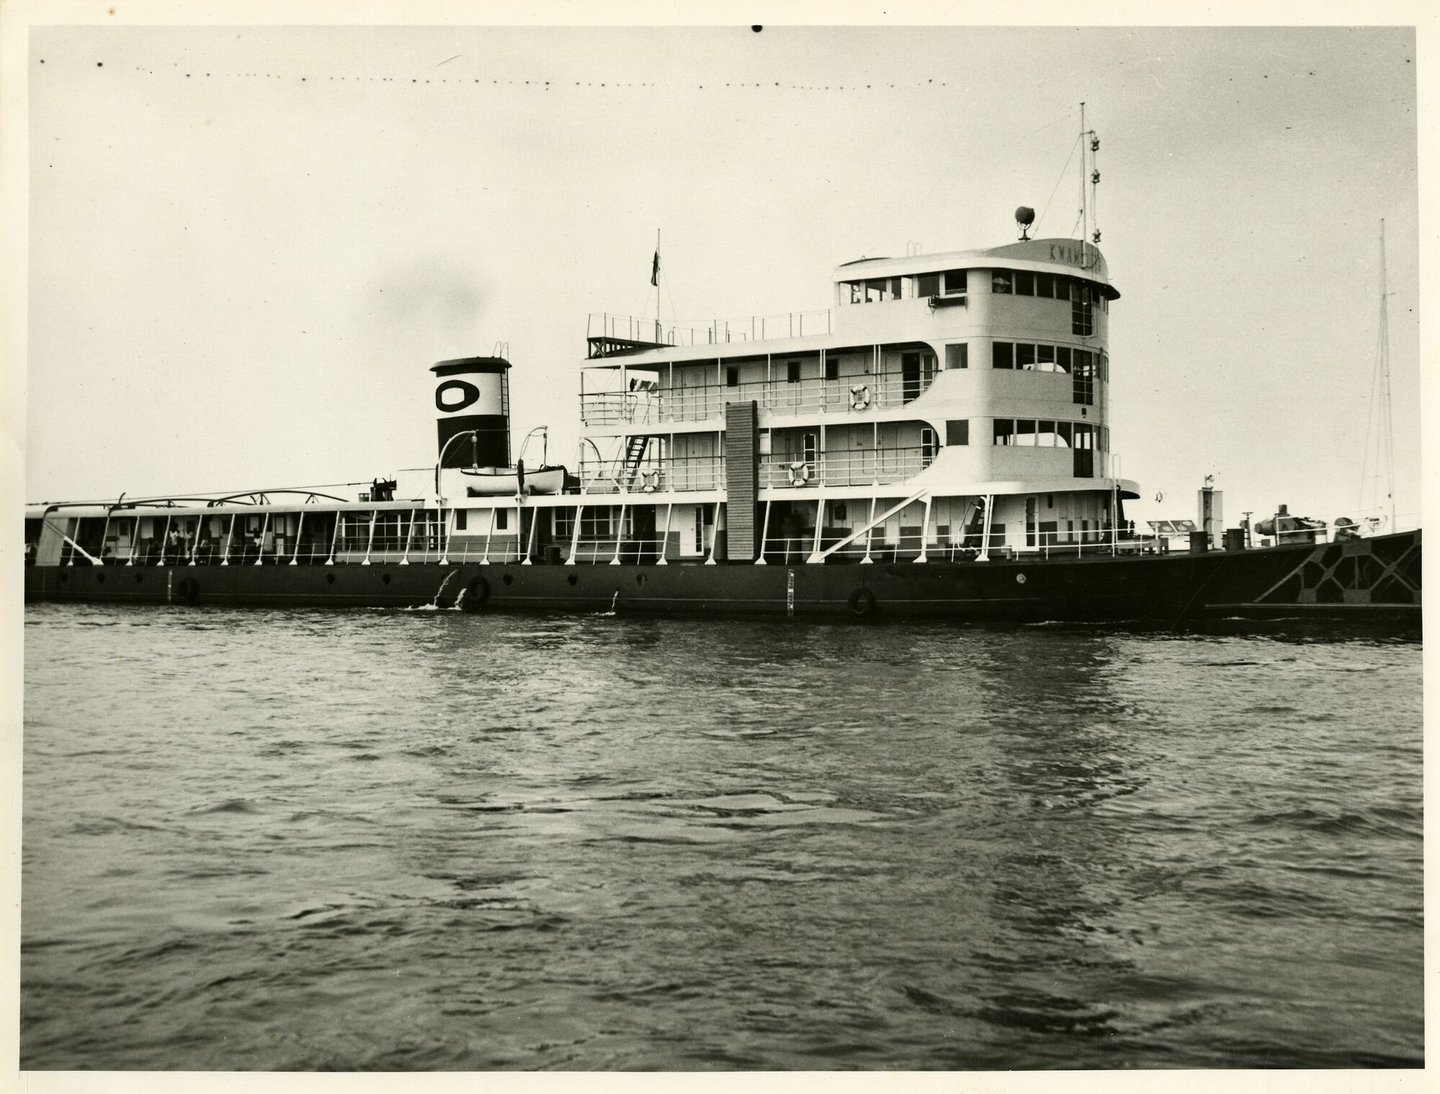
{"points": [[862, 603], [187, 591], [475, 594]]}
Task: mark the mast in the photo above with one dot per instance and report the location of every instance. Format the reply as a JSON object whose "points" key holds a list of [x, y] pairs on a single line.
{"points": [[1380, 401], [1089, 176]]}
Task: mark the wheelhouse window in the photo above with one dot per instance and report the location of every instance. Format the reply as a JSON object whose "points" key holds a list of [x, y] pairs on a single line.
{"points": [[957, 432], [957, 355], [954, 282], [1082, 309], [1004, 354], [1000, 282], [927, 285]]}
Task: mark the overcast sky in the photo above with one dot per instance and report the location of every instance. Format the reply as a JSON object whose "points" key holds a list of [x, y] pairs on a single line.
{"points": [[248, 244]]}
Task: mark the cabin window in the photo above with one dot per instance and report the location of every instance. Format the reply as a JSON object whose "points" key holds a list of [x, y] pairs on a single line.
{"points": [[1045, 285], [792, 372], [810, 444], [957, 432], [1004, 354], [460, 516], [1024, 283], [1004, 431], [857, 292], [882, 288], [954, 282], [1024, 433], [832, 368], [502, 519], [1000, 281], [957, 355], [1025, 356], [927, 285], [595, 523], [732, 376]]}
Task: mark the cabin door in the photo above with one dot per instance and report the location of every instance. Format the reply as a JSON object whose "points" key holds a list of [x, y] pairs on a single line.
{"points": [[909, 376]]}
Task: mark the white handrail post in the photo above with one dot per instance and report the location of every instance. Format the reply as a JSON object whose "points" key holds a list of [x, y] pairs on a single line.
{"points": [[924, 529], [299, 527], [619, 535], [665, 536], [575, 536], [764, 533], [714, 534], [869, 532], [819, 528], [105, 531], [264, 527], [534, 525], [984, 555], [334, 537], [409, 535], [370, 539]]}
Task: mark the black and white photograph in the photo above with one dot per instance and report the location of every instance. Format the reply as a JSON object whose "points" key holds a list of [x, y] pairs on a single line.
{"points": [[622, 540]]}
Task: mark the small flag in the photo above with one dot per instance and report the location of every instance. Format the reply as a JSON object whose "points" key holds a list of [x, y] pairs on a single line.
{"points": [[655, 270]]}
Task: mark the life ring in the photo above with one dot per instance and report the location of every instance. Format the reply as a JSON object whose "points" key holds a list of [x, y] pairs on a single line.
{"points": [[650, 481], [474, 594], [187, 591], [799, 473], [862, 602], [859, 397]]}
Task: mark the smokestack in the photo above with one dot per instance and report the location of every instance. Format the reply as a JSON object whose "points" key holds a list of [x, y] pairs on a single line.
{"points": [[473, 394]]}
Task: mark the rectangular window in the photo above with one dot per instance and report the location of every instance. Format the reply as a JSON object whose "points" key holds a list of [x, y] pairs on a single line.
{"points": [[460, 515], [1004, 431], [954, 282], [732, 376], [927, 446], [927, 285], [1004, 354], [1082, 314], [1082, 378], [1063, 433], [1045, 358], [1062, 358], [1000, 281], [1044, 285], [1025, 433], [792, 372], [502, 519], [856, 292], [832, 368], [957, 355], [1024, 283], [1025, 356], [811, 445], [957, 432], [1045, 435]]}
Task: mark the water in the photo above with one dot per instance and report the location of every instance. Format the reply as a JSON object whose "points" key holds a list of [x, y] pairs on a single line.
{"points": [[432, 840]]}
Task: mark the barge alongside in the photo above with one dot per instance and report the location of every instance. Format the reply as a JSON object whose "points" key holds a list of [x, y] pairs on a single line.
{"points": [[936, 445]]}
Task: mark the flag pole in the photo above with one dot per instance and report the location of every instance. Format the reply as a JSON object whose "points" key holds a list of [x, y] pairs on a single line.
{"points": [[655, 280]]}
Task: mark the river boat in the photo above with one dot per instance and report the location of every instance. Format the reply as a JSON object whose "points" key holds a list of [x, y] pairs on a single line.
{"points": [[936, 444]]}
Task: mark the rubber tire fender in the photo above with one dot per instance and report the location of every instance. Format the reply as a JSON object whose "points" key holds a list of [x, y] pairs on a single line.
{"points": [[187, 591], [475, 594], [862, 602]]}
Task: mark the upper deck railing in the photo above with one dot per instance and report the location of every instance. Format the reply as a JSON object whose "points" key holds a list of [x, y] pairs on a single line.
{"points": [[697, 404], [618, 335]]}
